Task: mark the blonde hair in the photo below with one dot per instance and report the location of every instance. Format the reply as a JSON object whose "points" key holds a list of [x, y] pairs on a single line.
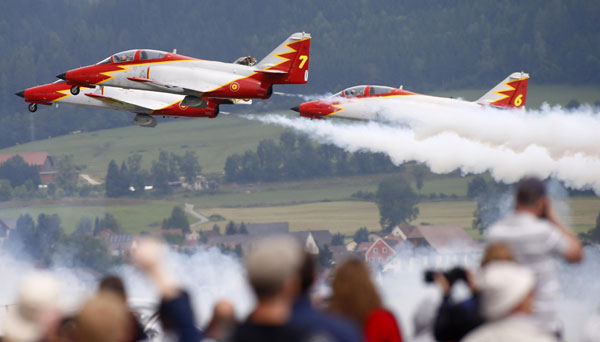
{"points": [[104, 318], [496, 252], [354, 293]]}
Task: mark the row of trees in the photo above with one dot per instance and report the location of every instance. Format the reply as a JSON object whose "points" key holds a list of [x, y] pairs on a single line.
{"points": [[130, 179], [21, 181], [294, 157], [46, 243]]}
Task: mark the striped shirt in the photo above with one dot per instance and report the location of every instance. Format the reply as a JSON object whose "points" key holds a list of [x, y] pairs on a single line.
{"points": [[534, 242]]}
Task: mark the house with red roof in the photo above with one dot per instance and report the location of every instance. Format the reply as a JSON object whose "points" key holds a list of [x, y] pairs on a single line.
{"points": [[40, 160], [376, 252], [379, 252]]}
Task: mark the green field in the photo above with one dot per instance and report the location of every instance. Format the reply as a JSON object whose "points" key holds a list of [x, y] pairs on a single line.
{"points": [[538, 94], [134, 216], [339, 216], [325, 189], [213, 140]]}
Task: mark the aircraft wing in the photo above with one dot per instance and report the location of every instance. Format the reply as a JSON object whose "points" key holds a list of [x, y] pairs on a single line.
{"points": [[182, 89], [159, 84], [120, 104]]}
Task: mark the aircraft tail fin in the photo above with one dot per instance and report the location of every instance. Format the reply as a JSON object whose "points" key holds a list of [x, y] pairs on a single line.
{"points": [[510, 93], [288, 63]]}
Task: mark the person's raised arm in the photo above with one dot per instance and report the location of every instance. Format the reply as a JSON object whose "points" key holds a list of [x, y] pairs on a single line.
{"points": [[574, 250]]}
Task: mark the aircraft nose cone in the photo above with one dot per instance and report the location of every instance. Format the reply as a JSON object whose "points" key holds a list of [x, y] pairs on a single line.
{"points": [[21, 93], [62, 76], [296, 109]]}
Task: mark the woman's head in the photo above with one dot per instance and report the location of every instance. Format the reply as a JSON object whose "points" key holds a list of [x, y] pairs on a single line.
{"points": [[354, 294]]}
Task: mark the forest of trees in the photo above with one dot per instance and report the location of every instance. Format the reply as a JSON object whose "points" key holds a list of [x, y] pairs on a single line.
{"points": [[425, 45], [295, 157], [130, 179], [20, 181]]}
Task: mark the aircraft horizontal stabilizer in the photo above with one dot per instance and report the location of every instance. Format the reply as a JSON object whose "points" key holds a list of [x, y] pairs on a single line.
{"points": [[272, 71]]}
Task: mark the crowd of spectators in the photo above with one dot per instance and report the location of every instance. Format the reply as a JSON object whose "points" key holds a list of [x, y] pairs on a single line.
{"points": [[512, 296]]}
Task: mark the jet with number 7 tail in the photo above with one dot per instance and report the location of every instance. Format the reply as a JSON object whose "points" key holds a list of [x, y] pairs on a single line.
{"points": [[364, 102], [196, 78]]}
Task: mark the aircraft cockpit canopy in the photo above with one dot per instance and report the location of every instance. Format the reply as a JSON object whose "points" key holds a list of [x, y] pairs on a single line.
{"points": [[151, 54], [125, 56], [375, 90], [354, 91], [362, 90], [133, 55]]}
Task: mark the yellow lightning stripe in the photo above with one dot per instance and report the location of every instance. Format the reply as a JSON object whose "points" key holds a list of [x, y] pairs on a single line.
{"points": [[367, 98], [128, 67], [66, 93], [510, 88], [285, 59], [272, 66], [167, 106]]}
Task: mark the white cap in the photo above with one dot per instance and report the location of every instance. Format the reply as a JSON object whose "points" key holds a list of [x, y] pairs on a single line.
{"points": [[504, 286], [37, 306]]}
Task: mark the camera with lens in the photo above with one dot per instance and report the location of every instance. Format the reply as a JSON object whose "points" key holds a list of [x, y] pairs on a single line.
{"points": [[457, 273]]}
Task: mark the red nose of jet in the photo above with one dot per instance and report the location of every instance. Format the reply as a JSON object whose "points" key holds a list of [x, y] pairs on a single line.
{"points": [[46, 93], [315, 109], [89, 75]]}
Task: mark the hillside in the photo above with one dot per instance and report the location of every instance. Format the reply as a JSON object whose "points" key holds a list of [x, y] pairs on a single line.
{"points": [[212, 139]]}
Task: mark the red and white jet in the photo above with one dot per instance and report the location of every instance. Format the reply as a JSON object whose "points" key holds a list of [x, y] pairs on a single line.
{"points": [[144, 103], [364, 102], [172, 73]]}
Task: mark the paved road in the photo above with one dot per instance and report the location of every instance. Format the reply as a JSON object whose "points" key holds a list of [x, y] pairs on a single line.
{"points": [[89, 179], [189, 208]]}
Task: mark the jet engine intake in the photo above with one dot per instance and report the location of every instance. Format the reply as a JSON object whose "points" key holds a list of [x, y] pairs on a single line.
{"points": [[144, 120]]}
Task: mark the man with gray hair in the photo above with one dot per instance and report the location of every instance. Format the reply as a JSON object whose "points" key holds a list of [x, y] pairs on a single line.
{"points": [[273, 265], [535, 235]]}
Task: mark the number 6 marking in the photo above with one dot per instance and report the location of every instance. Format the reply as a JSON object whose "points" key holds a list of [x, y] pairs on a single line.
{"points": [[303, 60], [519, 100]]}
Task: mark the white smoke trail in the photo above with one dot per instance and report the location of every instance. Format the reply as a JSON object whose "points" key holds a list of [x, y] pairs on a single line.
{"points": [[448, 151], [560, 131]]}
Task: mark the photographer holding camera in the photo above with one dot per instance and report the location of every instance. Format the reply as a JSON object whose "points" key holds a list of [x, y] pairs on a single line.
{"points": [[455, 319], [535, 235]]}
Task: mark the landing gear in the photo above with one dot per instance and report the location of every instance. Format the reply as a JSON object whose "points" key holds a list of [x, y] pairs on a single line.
{"points": [[74, 90], [144, 120], [32, 107]]}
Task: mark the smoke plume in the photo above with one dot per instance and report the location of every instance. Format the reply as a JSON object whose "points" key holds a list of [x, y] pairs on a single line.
{"points": [[509, 144]]}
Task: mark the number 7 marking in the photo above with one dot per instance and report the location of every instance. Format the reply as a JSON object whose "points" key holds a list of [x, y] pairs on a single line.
{"points": [[303, 60]]}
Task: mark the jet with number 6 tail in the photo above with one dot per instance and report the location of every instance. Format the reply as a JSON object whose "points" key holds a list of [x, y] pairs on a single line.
{"points": [[365, 102], [196, 78]]}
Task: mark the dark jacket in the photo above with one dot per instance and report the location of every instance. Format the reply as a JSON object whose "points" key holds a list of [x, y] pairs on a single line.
{"points": [[331, 328]]}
